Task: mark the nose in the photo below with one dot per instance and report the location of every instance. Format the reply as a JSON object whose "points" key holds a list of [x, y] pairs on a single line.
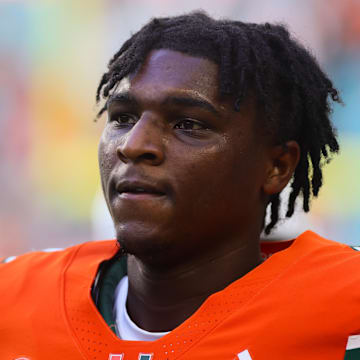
{"points": [[142, 143]]}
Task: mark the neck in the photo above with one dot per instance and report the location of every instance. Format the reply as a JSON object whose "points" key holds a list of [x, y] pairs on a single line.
{"points": [[160, 300]]}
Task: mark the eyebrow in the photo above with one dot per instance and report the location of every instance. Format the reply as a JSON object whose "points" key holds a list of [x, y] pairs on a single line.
{"points": [[127, 98], [190, 102], [123, 97]]}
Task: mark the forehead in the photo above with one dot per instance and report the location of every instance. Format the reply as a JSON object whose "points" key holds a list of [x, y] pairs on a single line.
{"points": [[172, 71], [168, 74]]}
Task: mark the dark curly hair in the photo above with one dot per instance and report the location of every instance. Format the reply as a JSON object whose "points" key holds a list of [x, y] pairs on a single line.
{"points": [[292, 92]]}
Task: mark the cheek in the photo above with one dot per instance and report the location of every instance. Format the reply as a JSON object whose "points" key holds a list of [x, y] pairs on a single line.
{"points": [[107, 157], [220, 176], [204, 174]]}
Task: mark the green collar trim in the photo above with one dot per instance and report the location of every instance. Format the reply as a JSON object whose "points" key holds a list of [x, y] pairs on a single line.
{"points": [[353, 354], [103, 291]]}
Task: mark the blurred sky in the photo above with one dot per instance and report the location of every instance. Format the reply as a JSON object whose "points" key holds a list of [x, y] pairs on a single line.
{"points": [[52, 55]]}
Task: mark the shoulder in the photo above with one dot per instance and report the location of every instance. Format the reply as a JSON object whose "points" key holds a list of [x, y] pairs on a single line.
{"points": [[312, 244], [328, 255], [325, 266], [50, 263], [319, 268], [30, 278]]}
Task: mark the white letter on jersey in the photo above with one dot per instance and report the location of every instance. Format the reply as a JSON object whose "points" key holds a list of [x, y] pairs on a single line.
{"points": [[244, 355], [353, 342]]}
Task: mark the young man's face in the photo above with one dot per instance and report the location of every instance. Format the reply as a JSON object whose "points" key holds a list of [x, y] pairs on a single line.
{"points": [[181, 170]]}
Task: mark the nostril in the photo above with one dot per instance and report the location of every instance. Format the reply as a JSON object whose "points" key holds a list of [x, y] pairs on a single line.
{"points": [[149, 156], [125, 156], [121, 155]]}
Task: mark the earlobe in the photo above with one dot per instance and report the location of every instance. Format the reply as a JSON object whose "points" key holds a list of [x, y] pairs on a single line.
{"points": [[283, 160]]}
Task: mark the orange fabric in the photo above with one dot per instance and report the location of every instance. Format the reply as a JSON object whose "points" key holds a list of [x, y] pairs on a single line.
{"points": [[301, 303]]}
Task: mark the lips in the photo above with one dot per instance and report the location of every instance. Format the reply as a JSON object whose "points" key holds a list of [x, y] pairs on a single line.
{"points": [[135, 187]]}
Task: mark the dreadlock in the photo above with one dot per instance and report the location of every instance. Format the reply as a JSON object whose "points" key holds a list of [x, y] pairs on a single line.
{"points": [[292, 92]]}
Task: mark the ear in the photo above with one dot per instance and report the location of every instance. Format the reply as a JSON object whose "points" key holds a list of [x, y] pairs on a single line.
{"points": [[282, 163]]}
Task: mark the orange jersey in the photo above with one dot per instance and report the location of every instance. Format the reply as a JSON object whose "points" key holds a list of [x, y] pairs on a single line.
{"points": [[301, 303]]}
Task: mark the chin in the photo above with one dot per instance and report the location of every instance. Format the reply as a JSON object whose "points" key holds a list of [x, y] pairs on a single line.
{"points": [[143, 243]]}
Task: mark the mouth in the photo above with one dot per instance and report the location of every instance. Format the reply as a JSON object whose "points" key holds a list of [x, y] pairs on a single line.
{"points": [[134, 189]]}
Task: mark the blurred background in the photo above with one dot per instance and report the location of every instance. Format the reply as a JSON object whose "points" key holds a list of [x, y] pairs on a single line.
{"points": [[52, 55]]}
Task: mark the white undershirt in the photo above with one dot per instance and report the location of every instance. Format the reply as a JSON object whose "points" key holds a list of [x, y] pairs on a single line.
{"points": [[126, 329]]}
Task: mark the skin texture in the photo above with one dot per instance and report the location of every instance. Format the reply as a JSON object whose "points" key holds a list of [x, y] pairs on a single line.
{"points": [[213, 173]]}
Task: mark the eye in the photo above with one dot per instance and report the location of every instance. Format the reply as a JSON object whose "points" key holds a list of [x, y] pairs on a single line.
{"points": [[123, 119], [190, 125]]}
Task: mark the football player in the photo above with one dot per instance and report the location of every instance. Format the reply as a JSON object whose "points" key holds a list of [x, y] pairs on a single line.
{"points": [[207, 121]]}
